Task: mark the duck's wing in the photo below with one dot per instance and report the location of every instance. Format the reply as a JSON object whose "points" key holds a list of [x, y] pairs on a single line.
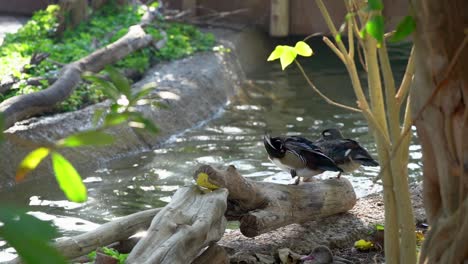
{"points": [[359, 154], [310, 154]]}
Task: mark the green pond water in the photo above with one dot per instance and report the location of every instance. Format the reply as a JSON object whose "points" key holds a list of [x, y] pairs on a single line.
{"points": [[272, 100]]}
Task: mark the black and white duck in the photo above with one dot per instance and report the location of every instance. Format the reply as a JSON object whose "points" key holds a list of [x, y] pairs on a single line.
{"points": [[298, 156], [348, 154]]}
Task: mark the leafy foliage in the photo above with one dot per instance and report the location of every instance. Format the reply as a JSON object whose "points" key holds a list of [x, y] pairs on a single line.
{"points": [[105, 26], [110, 252], [32, 245]]}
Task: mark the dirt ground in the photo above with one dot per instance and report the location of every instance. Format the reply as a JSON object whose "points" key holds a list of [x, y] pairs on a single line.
{"points": [[337, 232]]}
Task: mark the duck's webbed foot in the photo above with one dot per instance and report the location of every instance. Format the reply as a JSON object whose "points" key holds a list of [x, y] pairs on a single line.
{"points": [[297, 178]]}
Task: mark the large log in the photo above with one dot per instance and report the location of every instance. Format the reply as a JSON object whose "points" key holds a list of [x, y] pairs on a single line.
{"points": [[190, 222], [262, 206]]}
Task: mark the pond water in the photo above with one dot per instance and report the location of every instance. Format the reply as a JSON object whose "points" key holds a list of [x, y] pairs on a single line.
{"points": [[272, 100]]}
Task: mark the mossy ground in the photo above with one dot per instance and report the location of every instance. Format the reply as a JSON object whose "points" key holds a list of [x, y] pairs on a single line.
{"points": [[105, 26]]}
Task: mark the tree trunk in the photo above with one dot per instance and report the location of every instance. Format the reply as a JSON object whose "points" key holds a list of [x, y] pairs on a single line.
{"points": [[263, 206], [190, 222], [439, 107]]}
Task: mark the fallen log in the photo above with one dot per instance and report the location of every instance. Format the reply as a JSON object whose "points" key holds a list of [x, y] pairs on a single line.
{"points": [[116, 230], [262, 206], [190, 222]]}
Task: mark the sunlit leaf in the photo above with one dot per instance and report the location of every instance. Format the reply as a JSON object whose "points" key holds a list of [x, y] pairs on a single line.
{"points": [[379, 227], [29, 236], [276, 54], [68, 179], [303, 49], [363, 245], [375, 28], [87, 138], [375, 5], [404, 29], [287, 57], [119, 80], [30, 162]]}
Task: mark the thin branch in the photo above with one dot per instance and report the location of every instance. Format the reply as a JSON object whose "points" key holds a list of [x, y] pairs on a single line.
{"points": [[350, 38], [330, 24], [407, 79], [334, 49], [328, 100]]}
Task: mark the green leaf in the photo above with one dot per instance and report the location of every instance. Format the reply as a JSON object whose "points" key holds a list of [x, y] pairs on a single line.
{"points": [[303, 49], [30, 162], [108, 88], [119, 80], [375, 5], [86, 138], [113, 119], [141, 122], [375, 28], [97, 116], [404, 28], [29, 236], [379, 227], [68, 179], [338, 38]]}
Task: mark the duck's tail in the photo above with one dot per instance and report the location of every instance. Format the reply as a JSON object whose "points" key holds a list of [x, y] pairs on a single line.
{"points": [[365, 159]]}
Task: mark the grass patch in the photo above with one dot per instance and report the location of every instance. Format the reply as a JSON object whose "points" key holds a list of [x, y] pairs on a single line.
{"points": [[105, 26]]}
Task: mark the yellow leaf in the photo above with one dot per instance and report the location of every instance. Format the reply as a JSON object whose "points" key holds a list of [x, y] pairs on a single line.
{"points": [[287, 57], [419, 237], [303, 49], [203, 181], [363, 244], [30, 162], [276, 54]]}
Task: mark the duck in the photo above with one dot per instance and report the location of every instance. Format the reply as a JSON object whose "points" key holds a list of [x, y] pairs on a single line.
{"points": [[298, 156], [347, 153]]}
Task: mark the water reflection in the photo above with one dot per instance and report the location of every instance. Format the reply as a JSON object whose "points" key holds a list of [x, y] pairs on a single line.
{"points": [[275, 101]]}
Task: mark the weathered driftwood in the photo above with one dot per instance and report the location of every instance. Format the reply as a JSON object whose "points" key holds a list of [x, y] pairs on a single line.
{"points": [[213, 254], [190, 222], [263, 206], [20, 107], [106, 234]]}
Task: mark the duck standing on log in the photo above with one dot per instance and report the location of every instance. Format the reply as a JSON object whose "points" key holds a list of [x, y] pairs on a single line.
{"points": [[298, 156], [346, 153]]}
